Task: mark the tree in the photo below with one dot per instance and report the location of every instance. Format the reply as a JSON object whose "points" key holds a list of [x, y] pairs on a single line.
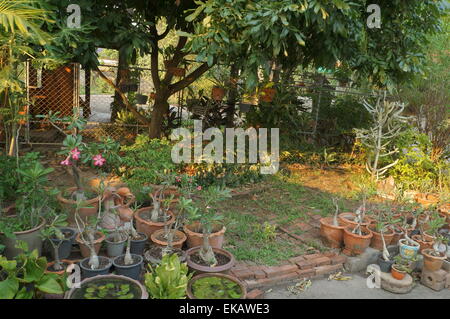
{"points": [[289, 32]]}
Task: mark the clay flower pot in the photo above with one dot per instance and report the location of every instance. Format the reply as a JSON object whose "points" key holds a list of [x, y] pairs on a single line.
{"points": [[191, 295], [195, 238], [148, 227], [84, 250], [158, 238], [217, 93], [424, 244], [347, 219], [268, 94], [377, 242], [332, 235], [431, 262], [207, 269], [398, 234], [66, 263], [90, 209], [356, 244], [396, 273], [406, 250], [426, 199]]}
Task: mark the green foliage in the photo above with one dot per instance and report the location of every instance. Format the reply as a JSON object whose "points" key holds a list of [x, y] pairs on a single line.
{"points": [[415, 168], [144, 162], [25, 277], [168, 280], [108, 291]]}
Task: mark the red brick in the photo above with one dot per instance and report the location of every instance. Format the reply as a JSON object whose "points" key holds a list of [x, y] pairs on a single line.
{"points": [[307, 264], [244, 274], [338, 260], [306, 273], [322, 261], [255, 294], [297, 259], [280, 270], [328, 269], [312, 256], [269, 281], [259, 274]]}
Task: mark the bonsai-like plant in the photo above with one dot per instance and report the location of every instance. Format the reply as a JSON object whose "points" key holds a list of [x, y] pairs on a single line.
{"points": [[402, 264], [53, 231], [78, 152], [386, 125], [168, 280], [205, 212]]}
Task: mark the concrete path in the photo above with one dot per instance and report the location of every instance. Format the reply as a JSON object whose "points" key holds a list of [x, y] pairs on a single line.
{"points": [[355, 288]]}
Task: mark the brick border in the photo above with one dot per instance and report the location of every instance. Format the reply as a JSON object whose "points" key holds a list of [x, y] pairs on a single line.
{"points": [[300, 267]]}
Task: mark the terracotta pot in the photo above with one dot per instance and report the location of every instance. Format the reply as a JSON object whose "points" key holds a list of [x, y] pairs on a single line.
{"points": [[428, 237], [354, 243], [148, 227], [124, 200], [406, 250], [176, 244], [217, 93], [190, 294], [31, 236], [397, 274], [195, 239], [432, 263], [84, 250], [70, 206], [268, 94], [377, 242], [347, 219], [207, 269], [398, 234], [332, 235], [66, 263], [424, 244]]}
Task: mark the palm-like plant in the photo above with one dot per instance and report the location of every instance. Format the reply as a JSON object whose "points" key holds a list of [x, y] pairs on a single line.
{"points": [[20, 26]]}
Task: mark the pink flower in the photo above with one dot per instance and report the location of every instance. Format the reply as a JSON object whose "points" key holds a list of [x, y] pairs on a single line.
{"points": [[98, 160], [199, 188], [75, 153], [66, 162]]}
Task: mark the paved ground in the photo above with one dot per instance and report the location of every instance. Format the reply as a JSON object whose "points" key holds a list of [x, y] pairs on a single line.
{"points": [[352, 289]]}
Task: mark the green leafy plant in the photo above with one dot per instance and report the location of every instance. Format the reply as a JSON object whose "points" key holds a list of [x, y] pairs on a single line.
{"points": [[52, 231], [25, 276], [168, 280], [108, 291]]}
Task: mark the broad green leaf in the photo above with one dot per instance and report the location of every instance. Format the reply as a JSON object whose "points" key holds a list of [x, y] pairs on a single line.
{"points": [[8, 288]]}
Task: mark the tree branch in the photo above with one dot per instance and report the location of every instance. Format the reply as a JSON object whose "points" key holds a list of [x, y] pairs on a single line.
{"points": [[189, 79], [127, 104]]}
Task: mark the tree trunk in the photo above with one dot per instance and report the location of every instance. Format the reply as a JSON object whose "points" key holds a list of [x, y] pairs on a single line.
{"points": [[232, 96], [160, 110], [87, 88], [123, 75]]}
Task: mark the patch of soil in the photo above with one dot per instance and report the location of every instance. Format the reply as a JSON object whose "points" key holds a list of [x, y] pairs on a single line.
{"points": [[156, 252], [103, 262], [221, 259], [162, 237], [121, 260], [138, 238], [52, 267], [147, 214]]}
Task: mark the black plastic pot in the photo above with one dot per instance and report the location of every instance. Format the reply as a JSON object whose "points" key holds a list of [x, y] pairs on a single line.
{"points": [[65, 248], [87, 272], [385, 266], [131, 271], [141, 99], [138, 246]]}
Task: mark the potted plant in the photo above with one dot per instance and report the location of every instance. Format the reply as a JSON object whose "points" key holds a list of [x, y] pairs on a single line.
{"points": [[353, 219], [25, 277], [33, 206], [108, 287], [129, 264], [115, 243], [433, 258], [435, 223], [206, 258], [61, 240], [167, 280], [381, 226], [357, 238], [401, 267], [77, 152], [330, 229], [408, 248], [216, 286], [384, 259], [137, 240]]}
